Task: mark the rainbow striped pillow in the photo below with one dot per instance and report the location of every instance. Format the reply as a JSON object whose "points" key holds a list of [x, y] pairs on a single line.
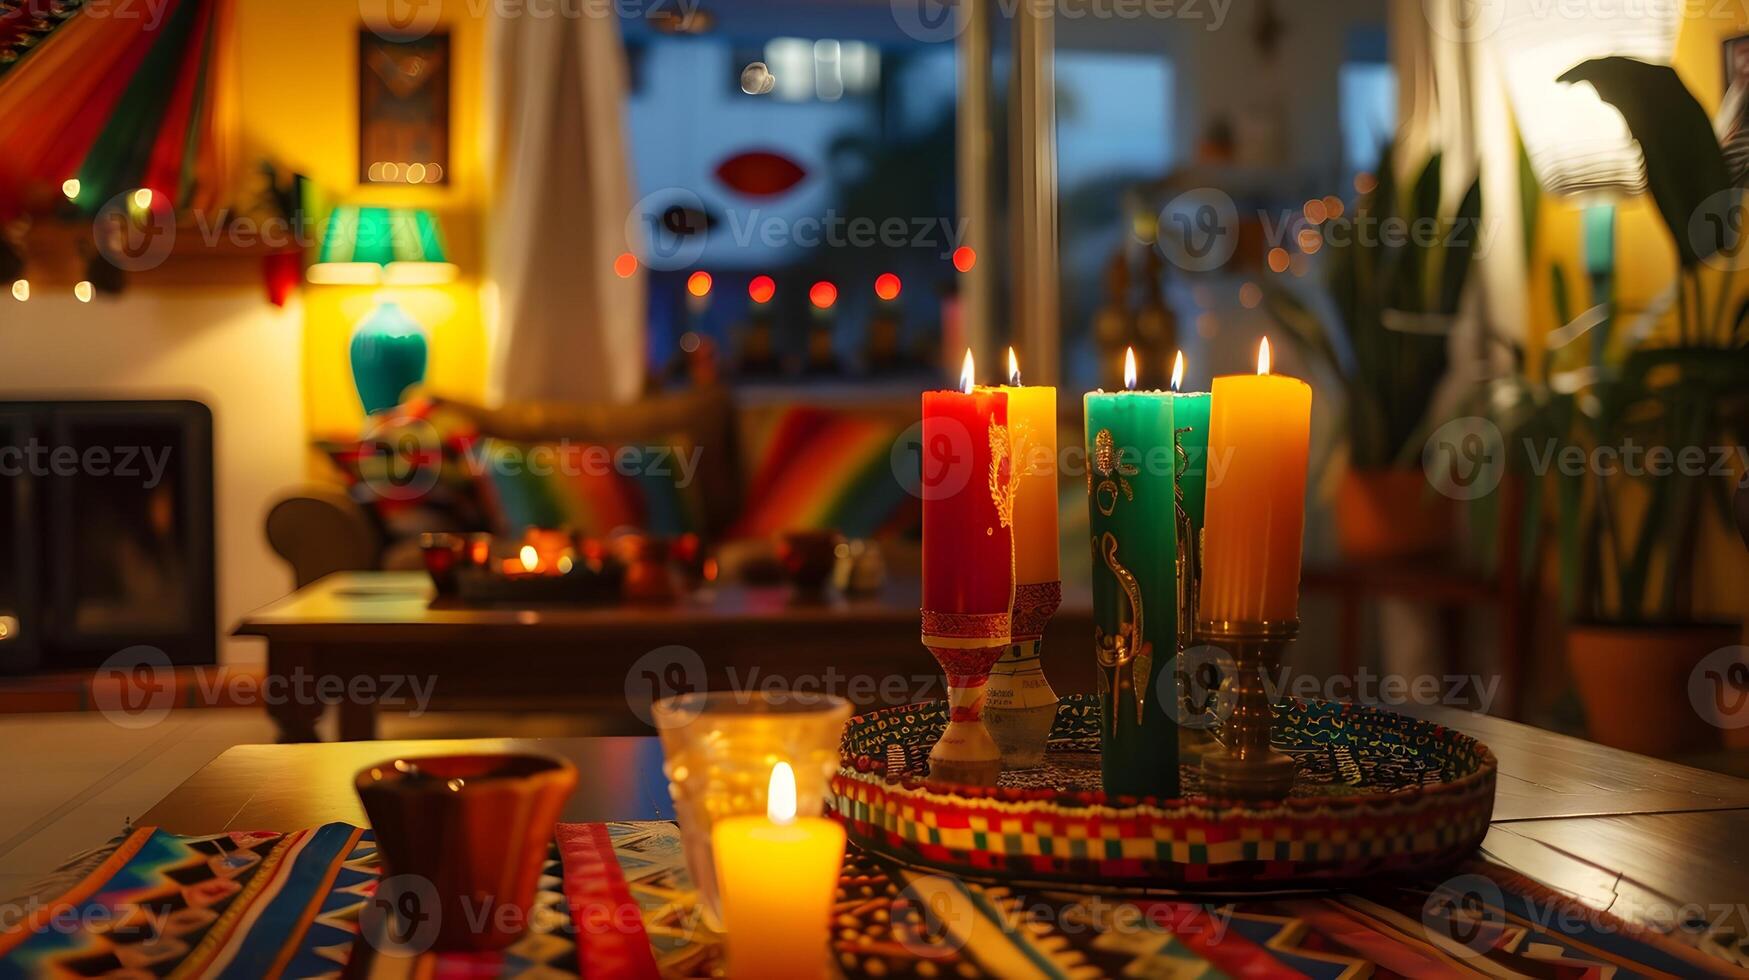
{"points": [[582, 487], [826, 468]]}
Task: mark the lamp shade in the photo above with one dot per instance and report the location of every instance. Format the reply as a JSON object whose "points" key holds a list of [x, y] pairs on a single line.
{"points": [[1577, 143], [374, 245]]}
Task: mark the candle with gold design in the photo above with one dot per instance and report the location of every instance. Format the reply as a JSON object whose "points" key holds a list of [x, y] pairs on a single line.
{"points": [[1132, 491], [968, 564], [1190, 413], [1259, 434], [1021, 706], [1190, 419]]}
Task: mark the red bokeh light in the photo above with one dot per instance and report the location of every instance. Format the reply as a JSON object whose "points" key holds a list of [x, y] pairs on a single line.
{"points": [[626, 265], [887, 286], [761, 289], [964, 258], [699, 283], [823, 294]]}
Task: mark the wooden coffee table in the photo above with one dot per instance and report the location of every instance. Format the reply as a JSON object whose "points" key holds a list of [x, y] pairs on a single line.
{"points": [[386, 634], [1620, 831]]}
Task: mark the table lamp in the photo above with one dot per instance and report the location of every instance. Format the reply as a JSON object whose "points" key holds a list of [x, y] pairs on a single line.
{"points": [[383, 246]]}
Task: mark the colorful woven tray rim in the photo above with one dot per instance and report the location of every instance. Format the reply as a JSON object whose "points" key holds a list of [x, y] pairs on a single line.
{"points": [[865, 766]]}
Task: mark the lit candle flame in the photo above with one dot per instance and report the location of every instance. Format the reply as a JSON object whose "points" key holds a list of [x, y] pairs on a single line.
{"points": [[1129, 369], [780, 795], [1263, 357], [1178, 371], [530, 558], [967, 372], [1013, 368]]}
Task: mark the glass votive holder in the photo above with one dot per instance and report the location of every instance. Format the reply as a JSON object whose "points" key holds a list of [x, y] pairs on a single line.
{"points": [[718, 751]]}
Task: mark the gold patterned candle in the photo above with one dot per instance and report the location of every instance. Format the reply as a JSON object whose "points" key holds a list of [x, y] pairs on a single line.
{"points": [[1132, 501], [1020, 706]]}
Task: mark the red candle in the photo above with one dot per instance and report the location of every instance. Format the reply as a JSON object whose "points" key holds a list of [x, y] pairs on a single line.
{"points": [[968, 541], [968, 565]]}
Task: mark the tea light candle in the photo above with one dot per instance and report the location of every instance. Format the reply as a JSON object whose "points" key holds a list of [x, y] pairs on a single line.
{"points": [[778, 876], [1259, 433]]}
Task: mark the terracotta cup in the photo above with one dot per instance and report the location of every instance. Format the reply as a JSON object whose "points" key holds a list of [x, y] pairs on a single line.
{"points": [[472, 832]]}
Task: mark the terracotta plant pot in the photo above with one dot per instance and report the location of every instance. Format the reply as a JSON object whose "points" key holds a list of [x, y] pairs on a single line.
{"points": [[1635, 683], [470, 833], [1391, 513]]}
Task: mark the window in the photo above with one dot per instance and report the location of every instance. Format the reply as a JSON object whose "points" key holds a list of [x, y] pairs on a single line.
{"points": [[823, 70], [842, 172]]}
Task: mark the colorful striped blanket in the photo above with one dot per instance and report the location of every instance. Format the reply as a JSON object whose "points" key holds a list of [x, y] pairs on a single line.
{"points": [[616, 901]]}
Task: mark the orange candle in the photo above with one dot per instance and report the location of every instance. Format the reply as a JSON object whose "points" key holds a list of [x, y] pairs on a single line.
{"points": [[1259, 433], [1032, 429]]}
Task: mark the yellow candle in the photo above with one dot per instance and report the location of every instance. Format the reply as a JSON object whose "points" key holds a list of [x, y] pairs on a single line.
{"points": [[1259, 431], [1032, 424], [777, 876]]}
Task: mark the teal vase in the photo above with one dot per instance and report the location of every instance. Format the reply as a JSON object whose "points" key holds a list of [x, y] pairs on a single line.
{"points": [[388, 357]]}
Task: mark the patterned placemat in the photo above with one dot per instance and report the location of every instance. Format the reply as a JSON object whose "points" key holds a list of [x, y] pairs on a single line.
{"points": [[615, 901]]}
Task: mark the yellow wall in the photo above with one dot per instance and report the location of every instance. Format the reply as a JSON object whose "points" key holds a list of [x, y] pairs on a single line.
{"points": [[298, 103], [1645, 257], [1645, 267]]}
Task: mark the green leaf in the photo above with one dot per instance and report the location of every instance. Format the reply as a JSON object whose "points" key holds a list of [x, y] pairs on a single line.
{"points": [[1460, 247], [1529, 200], [1531, 537], [1422, 206], [1684, 165], [1558, 290], [1569, 491]]}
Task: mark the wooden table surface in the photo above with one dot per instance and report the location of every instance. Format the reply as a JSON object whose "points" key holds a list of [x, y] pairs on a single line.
{"points": [[384, 607], [390, 625], [1626, 833]]}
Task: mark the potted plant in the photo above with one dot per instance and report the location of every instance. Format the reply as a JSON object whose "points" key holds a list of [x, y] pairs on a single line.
{"points": [[1672, 384], [1396, 269]]}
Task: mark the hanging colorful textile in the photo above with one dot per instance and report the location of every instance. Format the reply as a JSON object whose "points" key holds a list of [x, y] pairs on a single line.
{"points": [[118, 103]]}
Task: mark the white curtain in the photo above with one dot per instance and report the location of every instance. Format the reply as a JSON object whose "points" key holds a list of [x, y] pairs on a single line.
{"points": [[565, 326], [1451, 98]]}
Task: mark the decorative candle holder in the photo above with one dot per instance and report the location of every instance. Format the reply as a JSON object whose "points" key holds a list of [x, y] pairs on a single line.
{"points": [[967, 646], [718, 750], [1020, 707], [1247, 766]]}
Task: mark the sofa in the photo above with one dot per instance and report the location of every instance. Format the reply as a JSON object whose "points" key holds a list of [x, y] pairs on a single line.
{"points": [[735, 467]]}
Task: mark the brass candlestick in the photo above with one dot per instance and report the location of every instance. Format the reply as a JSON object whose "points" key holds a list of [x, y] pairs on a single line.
{"points": [[1246, 766]]}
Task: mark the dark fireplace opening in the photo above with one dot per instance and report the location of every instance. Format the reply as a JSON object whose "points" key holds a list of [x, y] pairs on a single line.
{"points": [[108, 511]]}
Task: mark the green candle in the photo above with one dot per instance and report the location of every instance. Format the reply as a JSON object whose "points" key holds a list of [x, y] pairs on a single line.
{"points": [[1190, 413], [1132, 511]]}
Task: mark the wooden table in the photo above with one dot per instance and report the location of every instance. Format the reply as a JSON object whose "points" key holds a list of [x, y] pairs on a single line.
{"points": [[388, 632], [1626, 833]]}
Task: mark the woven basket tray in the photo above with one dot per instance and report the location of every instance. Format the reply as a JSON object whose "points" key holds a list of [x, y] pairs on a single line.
{"points": [[1377, 792]]}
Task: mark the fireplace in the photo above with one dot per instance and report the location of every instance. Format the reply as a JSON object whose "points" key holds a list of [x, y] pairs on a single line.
{"points": [[107, 511]]}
